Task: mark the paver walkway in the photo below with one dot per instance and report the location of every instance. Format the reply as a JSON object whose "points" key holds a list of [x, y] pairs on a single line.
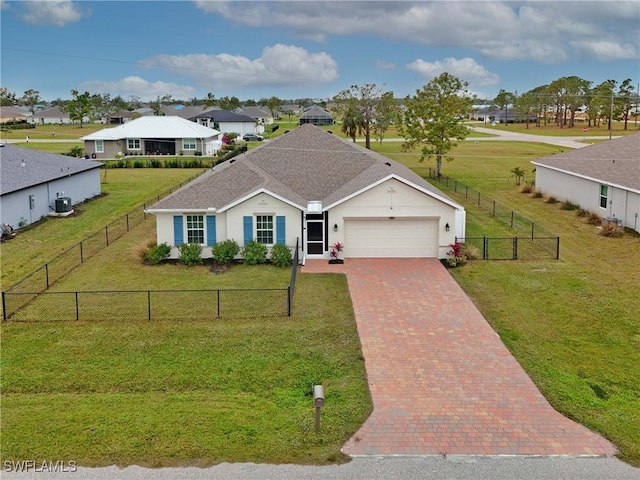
{"points": [[441, 380]]}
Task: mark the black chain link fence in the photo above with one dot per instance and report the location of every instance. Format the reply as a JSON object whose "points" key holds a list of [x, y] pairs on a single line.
{"points": [[530, 240], [45, 276], [135, 305], [146, 305]]}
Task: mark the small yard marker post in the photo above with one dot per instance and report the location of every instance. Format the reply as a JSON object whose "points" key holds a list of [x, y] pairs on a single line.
{"points": [[318, 402]]}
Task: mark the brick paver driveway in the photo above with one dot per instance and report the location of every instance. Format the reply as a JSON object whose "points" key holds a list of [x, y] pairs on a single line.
{"points": [[441, 380]]}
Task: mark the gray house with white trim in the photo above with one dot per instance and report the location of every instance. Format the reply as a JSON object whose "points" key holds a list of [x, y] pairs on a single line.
{"points": [[31, 181], [603, 178], [318, 188]]}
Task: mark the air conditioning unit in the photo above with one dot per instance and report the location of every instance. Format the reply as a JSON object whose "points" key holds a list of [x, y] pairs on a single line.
{"points": [[63, 204], [617, 221]]}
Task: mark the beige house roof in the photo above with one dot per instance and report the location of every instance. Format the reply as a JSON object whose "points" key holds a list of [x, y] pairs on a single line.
{"points": [[616, 162]]}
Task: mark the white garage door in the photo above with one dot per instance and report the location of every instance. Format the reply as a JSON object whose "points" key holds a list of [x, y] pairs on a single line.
{"points": [[382, 237]]}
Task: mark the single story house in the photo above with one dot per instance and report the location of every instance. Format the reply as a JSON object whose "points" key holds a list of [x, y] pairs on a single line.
{"points": [[603, 178], [32, 181], [316, 115], [316, 187], [152, 136], [13, 114], [226, 121], [53, 116], [261, 115]]}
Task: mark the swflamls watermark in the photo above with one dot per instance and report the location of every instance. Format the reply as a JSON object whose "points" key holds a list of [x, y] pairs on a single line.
{"points": [[48, 466]]}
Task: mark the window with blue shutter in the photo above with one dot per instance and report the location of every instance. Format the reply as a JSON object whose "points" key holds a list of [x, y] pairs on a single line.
{"points": [[281, 231], [211, 230], [248, 229]]}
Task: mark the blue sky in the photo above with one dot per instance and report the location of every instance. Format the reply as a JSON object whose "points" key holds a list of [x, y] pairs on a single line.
{"points": [[310, 49]]}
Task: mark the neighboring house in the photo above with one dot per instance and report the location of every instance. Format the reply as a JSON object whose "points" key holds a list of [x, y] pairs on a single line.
{"points": [[316, 187], [152, 136], [603, 178], [226, 121], [52, 115], [492, 114], [120, 118], [11, 114], [261, 115], [316, 115], [31, 181]]}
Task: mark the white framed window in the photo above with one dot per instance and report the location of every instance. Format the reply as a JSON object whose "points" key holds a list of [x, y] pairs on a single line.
{"points": [[188, 144], [133, 144], [604, 195], [99, 146], [264, 229], [195, 229]]}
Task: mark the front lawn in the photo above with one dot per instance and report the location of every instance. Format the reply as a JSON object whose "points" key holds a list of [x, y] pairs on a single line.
{"points": [[165, 393]]}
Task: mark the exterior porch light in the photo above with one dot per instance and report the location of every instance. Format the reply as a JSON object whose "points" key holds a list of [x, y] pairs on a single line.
{"points": [[447, 227], [335, 227]]}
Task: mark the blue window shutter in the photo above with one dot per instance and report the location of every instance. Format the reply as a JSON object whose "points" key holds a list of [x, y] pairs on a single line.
{"points": [[211, 230], [281, 231], [248, 229], [178, 234]]}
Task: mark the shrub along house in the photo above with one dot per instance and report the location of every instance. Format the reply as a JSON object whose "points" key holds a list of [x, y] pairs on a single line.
{"points": [[603, 178], [316, 187], [161, 135]]}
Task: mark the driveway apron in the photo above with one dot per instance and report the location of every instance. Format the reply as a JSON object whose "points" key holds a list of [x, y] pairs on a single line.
{"points": [[441, 380]]}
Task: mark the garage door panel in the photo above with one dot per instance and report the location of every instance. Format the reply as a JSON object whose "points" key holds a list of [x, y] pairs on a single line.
{"points": [[391, 238]]}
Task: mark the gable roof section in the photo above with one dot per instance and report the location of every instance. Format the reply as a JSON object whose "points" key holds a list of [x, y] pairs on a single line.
{"points": [[154, 127], [218, 115], [39, 167], [615, 162], [315, 111], [306, 164], [255, 112]]}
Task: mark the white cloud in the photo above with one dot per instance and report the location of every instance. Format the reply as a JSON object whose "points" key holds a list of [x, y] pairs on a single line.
{"points": [[546, 32], [466, 69], [51, 12], [279, 66], [384, 65], [605, 50], [139, 87]]}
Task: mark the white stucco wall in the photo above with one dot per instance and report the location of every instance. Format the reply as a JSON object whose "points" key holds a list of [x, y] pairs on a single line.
{"points": [[230, 224], [622, 203], [393, 198], [15, 207]]}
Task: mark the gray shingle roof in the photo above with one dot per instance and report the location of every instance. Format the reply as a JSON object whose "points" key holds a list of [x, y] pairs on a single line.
{"points": [[223, 116], [39, 167], [615, 161], [303, 165]]}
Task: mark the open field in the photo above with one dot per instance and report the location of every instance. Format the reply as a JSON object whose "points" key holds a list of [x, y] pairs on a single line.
{"points": [[572, 324], [124, 189], [62, 132]]}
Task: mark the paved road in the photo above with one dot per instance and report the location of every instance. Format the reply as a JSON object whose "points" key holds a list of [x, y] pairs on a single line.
{"points": [[372, 468], [501, 135]]}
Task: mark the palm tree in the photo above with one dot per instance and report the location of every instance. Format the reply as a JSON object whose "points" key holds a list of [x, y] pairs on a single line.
{"points": [[519, 174], [353, 122]]}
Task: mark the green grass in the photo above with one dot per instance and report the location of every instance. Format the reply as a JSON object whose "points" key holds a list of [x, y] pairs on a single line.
{"points": [[62, 132], [572, 324], [124, 189], [187, 393]]}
